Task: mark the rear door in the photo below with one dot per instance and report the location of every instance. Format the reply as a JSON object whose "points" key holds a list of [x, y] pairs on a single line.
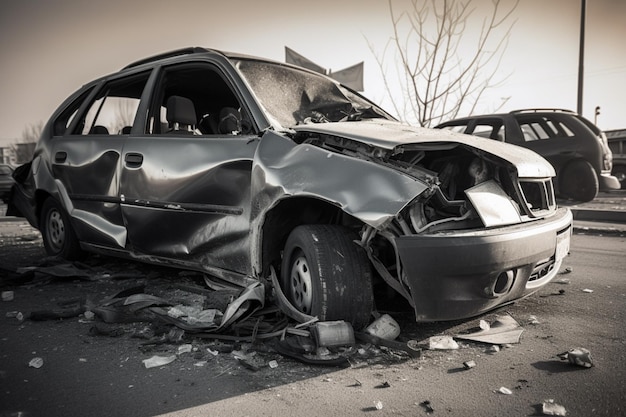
{"points": [[86, 160]]}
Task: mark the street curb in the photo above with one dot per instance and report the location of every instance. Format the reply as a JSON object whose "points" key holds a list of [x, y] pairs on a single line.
{"points": [[598, 215]]}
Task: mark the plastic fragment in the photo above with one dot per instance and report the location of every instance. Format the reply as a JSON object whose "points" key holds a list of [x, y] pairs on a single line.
{"points": [[578, 356], [550, 408], [427, 406], [379, 405], [384, 327], [442, 343], [36, 363], [493, 349], [89, 315], [8, 295], [186, 348], [273, 364], [156, 361], [484, 325], [469, 364], [587, 290], [533, 320], [505, 391]]}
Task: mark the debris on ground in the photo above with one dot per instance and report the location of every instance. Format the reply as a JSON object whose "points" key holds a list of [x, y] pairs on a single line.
{"points": [[469, 364], [587, 290], [442, 343], [156, 361], [427, 406], [533, 320], [384, 327], [504, 330], [36, 363], [504, 390], [550, 408], [577, 356]]}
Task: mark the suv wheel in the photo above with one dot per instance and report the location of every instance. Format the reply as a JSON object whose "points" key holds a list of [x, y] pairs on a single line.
{"points": [[326, 274], [578, 181], [58, 235]]}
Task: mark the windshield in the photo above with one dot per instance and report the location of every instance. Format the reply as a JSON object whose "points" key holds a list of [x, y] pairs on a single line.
{"points": [[293, 96]]}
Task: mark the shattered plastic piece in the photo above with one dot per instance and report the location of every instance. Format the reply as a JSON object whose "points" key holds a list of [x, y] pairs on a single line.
{"points": [[89, 315], [566, 270], [504, 390], [8, 295], [533, 320], [212, 352], [333, 333], [484, 325], [493, 349], [502, 331], [587, 290], [578, 356], [273, 364], [384, 327], [427, 406], [157, 361], [36, 363], [550, 408], [442, 343], [469, 364], [186, 348], [379, 405], [11, 314]]}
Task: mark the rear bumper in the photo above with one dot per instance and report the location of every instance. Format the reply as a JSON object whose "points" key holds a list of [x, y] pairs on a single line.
{"points": [[459, 275]]}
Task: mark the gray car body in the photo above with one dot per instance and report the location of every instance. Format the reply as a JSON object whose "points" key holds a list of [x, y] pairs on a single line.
{"points": [[223, 204]]}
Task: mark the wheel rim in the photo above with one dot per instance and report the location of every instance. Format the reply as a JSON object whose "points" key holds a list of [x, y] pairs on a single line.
{"points": [[56, 230], [300, 284]]}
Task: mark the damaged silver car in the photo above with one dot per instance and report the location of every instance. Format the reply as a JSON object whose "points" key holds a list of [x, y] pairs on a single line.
{"points": [[251, 170]]}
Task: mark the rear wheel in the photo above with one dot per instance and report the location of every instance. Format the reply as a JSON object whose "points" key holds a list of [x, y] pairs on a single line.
{"points": [[326, 274], [58, 235], [578, 181]]}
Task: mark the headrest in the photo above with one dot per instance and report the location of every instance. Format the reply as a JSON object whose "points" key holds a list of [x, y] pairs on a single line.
{"points": [[181, 110]]}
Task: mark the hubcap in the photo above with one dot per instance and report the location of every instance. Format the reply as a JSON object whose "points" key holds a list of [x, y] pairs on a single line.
{"points": [[301, 285], [56, 230]]}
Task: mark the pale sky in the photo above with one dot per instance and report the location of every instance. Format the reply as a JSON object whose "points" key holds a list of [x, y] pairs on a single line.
{"points": [[51, 47]]}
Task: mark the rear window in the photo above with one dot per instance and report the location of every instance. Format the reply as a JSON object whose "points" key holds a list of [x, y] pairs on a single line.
{"points": [[541, 127]]}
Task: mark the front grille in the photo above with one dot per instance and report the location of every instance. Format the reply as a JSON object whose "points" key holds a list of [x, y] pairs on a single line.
{"points": [[538, 195], [542, 270]]}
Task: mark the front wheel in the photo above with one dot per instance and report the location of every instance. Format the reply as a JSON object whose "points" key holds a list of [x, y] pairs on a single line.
{"points": [[58, 235], [326, 274]]}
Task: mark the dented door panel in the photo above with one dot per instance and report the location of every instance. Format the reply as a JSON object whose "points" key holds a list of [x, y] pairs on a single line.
{"points": [[189, 198]]}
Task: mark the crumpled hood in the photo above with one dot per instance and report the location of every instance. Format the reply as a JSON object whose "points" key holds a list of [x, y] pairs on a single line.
{"points": [[388, 134]]}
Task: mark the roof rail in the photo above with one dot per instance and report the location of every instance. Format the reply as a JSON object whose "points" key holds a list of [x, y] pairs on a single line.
{"points": [[542, 110], [170, 54]]}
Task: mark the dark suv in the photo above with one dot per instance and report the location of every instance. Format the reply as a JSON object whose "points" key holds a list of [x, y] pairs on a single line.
{"points": [[617, 144], [576, 148]]}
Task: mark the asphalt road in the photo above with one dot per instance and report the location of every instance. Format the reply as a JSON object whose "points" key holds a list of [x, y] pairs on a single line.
{"points": [[88, 375]]}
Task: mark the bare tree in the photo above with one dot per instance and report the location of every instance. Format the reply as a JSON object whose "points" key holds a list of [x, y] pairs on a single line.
{"points": [[445, 56], [24, 147]]}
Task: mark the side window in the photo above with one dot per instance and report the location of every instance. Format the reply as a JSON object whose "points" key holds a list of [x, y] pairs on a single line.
{"points": [[540, 128], [114, 108], [456, 128], [194, 99], [63, 121]]}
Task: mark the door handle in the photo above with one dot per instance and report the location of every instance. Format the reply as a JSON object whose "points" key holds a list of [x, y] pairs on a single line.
{"points": [[133, 160], [60, 157]]}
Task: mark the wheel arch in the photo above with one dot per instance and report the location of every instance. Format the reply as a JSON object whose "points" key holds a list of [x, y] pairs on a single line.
{"points": [[290, 213]]}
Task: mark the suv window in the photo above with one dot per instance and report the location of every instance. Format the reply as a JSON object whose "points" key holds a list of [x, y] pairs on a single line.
{"points": [[543, 128], [114, 108]]}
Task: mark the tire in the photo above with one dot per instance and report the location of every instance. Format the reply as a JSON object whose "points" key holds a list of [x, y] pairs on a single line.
{"points": [[578, 181], [59, 238], [326, 274]]}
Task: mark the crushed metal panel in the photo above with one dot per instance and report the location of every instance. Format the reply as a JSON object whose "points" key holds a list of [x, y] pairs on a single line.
{"points": [[363, 189]]}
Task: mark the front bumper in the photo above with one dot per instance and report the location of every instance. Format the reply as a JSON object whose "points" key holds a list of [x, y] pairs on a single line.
{"points": [[609, 182], [459, 275]]}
